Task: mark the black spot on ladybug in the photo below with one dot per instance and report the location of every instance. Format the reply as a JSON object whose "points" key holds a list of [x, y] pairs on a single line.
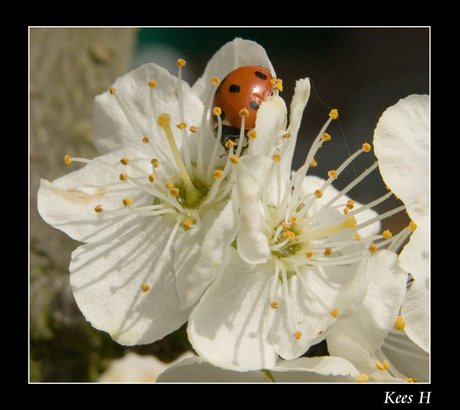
{"points": [[260, 75], [254, 105], [234, 88]]}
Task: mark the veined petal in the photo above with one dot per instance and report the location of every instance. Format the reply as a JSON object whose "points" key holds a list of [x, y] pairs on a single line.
{"points": [[228, 327], [206, 251], [401, 143], [127, 288], [230, 56], [305, 306], [416, 314], [69, 202], [113, 131], [376, 315], [341, 345]]}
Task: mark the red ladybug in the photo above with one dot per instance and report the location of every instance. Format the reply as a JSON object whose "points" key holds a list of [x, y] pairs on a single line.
{"points": [[246, 87]]}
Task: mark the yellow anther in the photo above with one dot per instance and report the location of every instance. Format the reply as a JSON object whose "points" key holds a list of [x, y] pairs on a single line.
{"points": [[181, 126], [332, 174], [170, 185], [298, 334], [287, 135], [387, 234], [351, 222], [412, 226], [216, 111], [218, 174], [318, 193], [180, 62], [234, 159], [67, 159], [334, 313], [98, 208], [252, 134], [277, 84], [363, 378], [155, 163], [123, 177], [328, 252], [127, 201], [174, 192], [411, 379], [308, 253], [313, 163], [400, 323], [274, 304], [145, 140], [193, 128], [293, 220], [372, 248], [112, 90], [346, 210], [244, 113], [124, 161], [187, 223], [145, 287], [152, 83], [366, 147], [383, 366], [152, 177], [164, 119], [357, 238], [276, 158], [289, 234], [286, 226], [350, 204], [326, 137], [214, 80], [334, 114], [229, 143]]}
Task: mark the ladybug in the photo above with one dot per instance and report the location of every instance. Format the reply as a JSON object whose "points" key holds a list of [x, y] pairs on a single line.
{"points": [[246, 87]]}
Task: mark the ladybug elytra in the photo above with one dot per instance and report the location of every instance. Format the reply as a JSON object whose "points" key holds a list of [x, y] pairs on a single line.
{"points": [[246, 87]]}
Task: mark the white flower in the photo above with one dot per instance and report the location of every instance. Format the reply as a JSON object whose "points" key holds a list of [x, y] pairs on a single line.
{"points": [[304, 262], [402, 146], [144, 207]]}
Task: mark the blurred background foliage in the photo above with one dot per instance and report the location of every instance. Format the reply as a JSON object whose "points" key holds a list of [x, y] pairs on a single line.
{"points": [[359, 71]]}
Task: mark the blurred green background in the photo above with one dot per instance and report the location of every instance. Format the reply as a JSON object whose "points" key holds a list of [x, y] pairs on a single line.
{"points": [[359, 71]]}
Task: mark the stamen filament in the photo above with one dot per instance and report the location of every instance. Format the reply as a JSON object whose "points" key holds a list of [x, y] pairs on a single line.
{"points": [[192, 195]]}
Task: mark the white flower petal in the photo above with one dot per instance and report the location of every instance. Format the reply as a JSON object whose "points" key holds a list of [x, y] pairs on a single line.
{"points": [[68, 202], [228, 327], [341, 345], [298, 103], [308, 309], [196, 369], [416, 313], [107, 281], [113, 131], [252, 244], [376, 315], [315, 367], [230, 56], [270, 125], [408, 358], [401, 143], [202, 254]]}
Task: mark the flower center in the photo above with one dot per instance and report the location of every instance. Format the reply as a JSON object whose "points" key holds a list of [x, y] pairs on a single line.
{"points": [[177, 186], [304, 230]]}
